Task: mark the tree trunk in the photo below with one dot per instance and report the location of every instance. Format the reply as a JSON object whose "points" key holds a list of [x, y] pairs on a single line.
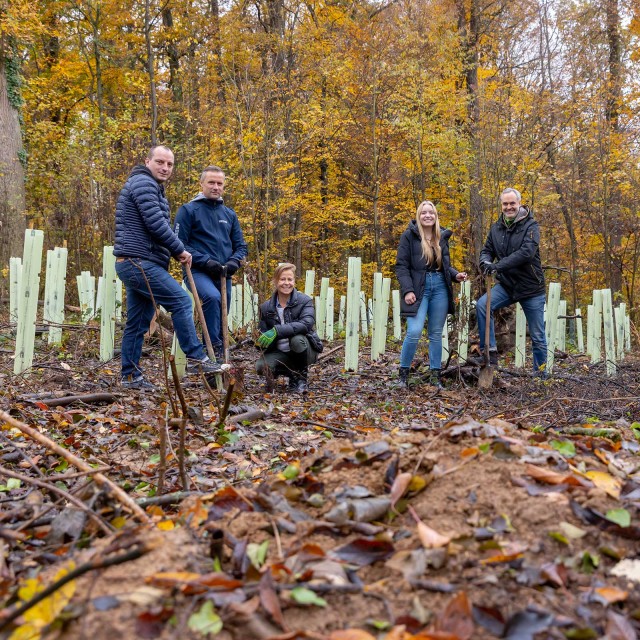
{"points": [[468, 26], [12, 194]]}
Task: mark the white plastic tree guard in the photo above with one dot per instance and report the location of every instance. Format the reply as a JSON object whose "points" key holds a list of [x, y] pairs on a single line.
{"points": [[618, 314], [609, 332], [445, 339], [464, 309], [363, 314], [596, 354], [321, 309], [382, 293], [54, 288], [329, 314], [397, 318], [108, 306], [309, 282], [579, 330], [551, 327], [86, 295], [562, 326], [28, 305], [520, 352], [354, 304], [341, 313]]}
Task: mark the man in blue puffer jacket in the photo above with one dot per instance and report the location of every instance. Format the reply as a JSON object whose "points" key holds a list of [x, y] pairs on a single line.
{"points": [[211, 233], [143, 247]]}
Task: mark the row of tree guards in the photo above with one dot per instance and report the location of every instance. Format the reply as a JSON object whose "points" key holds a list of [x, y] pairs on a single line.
{"points": [[608, 328]]}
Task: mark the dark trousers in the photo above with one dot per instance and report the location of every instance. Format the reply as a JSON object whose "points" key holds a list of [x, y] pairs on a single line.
{"points": [[288, 363]]}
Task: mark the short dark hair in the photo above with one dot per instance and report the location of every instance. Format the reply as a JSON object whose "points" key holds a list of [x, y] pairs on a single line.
{"points": [[212, 168], [153, 149]]}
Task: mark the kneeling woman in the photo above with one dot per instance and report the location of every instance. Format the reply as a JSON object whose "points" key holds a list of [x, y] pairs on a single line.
{"points": [[424, 271], [287, 322]]}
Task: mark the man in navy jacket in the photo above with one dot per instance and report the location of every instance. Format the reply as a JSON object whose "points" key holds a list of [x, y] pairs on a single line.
{"points": [[143, 246], [211, 232]]}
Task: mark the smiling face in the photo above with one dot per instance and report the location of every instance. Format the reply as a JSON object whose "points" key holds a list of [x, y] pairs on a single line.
{"points": [[510, 204], [160, 164], [428, 215], [212, 185], [286, 283]]}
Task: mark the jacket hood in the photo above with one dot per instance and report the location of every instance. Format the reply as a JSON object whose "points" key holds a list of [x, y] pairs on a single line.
{"points": [[201, 197], [445, 234], [523, 213]]}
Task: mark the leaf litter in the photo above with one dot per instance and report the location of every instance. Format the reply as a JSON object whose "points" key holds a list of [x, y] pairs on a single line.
{"points": [[355, 512]]}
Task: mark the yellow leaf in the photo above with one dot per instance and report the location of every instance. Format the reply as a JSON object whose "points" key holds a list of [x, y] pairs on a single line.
{"points": [[166, 525], [119, 522], [606, 482], [45, 612], [612, 594]]}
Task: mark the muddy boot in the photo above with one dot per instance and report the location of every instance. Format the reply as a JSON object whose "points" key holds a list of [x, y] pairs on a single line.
{"points": [[434, 379], [298, 383], [403, 378]]}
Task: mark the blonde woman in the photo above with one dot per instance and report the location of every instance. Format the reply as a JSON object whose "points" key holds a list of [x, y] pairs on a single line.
{"points": [[424, 271], [287, 335]]}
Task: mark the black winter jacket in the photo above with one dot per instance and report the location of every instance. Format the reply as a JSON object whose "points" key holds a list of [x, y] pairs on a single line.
{"points": [[411, 268], [516, 249], [299, 318], [142, 221]]}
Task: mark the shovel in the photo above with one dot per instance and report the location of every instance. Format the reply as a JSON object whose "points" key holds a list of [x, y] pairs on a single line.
{"points": [[224, 317], [485, 380], [203, 323]]}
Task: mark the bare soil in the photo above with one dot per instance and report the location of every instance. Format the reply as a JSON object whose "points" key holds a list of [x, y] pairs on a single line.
{"points": [[342, 491]]}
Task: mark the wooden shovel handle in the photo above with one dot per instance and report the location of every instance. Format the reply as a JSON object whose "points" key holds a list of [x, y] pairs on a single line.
{"points": [[224, 317], [196, 299]]}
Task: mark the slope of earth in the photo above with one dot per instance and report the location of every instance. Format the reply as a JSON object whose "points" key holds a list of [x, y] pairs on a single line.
{"points": [[357, 511]]}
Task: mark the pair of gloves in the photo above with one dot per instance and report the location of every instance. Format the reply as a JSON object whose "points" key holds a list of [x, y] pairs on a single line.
{"points": [[488, 268], [215, 269]]}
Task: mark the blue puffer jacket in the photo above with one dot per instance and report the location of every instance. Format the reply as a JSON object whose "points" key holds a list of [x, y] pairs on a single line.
{"points": [[210, 231], [143, 228]]}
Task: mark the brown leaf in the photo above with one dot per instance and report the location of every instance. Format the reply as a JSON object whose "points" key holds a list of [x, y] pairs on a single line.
{"points": [[399, 487], [269, 599], [364, 551], [457, 617], [351, 634], [429, 537], [553, 477], [619, 627]]}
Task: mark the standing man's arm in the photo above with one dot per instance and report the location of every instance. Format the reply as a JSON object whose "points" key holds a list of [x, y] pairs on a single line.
{"points": [[183, 229], [155, 220], [239, 246]]}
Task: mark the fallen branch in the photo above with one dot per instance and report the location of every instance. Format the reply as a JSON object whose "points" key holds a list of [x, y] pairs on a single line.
{"points": [[65, 494], [11, 614], [65, 400], [248, 416], [326, 354], [100, 479]]}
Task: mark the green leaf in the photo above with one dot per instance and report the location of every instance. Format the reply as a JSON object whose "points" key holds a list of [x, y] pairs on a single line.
{"points": [[589, 562], [154, 459], [13, 483], [305, 596], [291, 472], [564, 447], [257, 553], [619, 516], [484, 447], [205, 621], [558, 537]]}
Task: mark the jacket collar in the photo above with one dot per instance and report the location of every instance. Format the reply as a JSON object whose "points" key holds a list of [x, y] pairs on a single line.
{"points": [[200, 197], [293, 299], [523, 213]]}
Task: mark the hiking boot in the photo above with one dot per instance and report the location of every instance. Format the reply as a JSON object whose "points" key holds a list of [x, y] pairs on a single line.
{"points": [[434, 378], [205, 366], [298, 383], [403, 378], [137, 383]]}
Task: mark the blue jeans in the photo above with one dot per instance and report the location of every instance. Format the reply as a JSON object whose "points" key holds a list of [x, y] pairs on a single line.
{"points": [[140, 310], [435, 305], [209, 293], [534, 312]]}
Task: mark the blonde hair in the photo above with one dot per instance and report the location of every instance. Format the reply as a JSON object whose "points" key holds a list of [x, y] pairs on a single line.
{"points": [[280, 269], [430, 249]]}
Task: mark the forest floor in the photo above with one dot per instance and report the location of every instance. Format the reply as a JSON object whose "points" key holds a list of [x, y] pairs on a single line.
{"points": [[356, 511]]}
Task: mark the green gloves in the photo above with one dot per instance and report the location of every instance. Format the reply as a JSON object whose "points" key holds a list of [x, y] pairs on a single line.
{"points": [[267, 338]]}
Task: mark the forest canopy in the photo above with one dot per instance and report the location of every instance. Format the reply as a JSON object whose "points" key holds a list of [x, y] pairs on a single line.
{"points": [[334, 120]]}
